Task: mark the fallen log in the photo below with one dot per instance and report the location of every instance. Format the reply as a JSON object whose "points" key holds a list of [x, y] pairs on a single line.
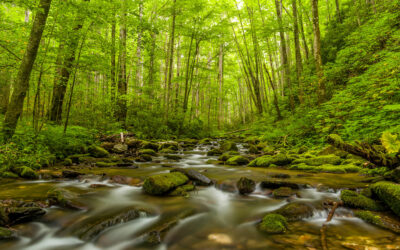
{"points": [[324, 227], [366, 151]]}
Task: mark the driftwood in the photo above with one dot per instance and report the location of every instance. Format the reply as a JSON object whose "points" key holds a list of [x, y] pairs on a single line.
{"points": [[324, 227], [369, 152]]}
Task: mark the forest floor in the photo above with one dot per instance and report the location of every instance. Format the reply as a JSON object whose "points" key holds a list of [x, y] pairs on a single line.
{"points": [[207, 194]]}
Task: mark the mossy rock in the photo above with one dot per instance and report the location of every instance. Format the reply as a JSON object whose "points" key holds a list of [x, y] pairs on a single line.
{"points": [[268, 160], [164, 183], [25, 172], [149, 145], [7, 234], [214, 152], [355, 200], [320, 160], [283, 192], [67, 162], [61, 197], [237, 161], [273, 224], [144, 158], [229, 146], [246, 185], [167, 151], [205, 141], [182, 190], [147, 152], [173, 157], [169, 145], [295, 211], [389, 193], [98, 152], [379, 220], [225, 156], [326, 168], [301, 150]]}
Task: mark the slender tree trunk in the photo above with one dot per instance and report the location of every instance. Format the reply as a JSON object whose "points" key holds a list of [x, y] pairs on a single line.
{"points": [[122, 80], [171, 60], [299, 64], [113, 64], [317, 53], [339, 17], [5, 82], [221, 82], [15, 106], [285, 61], [139, 62], [303, 36]]}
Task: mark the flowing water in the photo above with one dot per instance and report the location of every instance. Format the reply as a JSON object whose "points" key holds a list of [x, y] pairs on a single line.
{"points": [[209, 219]]}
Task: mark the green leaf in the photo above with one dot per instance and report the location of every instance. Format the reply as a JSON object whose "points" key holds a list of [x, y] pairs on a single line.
{"points": [[390, 142]]}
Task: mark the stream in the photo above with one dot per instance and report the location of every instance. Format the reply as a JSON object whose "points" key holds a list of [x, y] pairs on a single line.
{"points": [[210, 218]]}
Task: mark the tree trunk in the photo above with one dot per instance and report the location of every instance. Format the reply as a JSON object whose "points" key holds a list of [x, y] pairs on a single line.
{"points": [[221, 82], [139, 62], [317, 53], [22, 81], [171, 60], [5, 82], [299, 65], [113, 65], [285, 62], [303, 36], [339, 17], [122, 80]]}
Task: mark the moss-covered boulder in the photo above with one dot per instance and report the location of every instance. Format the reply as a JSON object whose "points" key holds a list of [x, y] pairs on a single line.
{"points": [[272, 183], [214, 152], [355, 200], [225, 156], [237, 160], [62, 197], [268, 160], [102, 164], [182, 190], [147, 152], [12, 215], [273, 224], [26, 172], [228, 146], [327, 168], [167, 151], [98, 152], [8, 174], [7, 234], [144, 158], [320, 160], [379, 220], [164, 183], [246, 185], [295, 211], [389, 193], [172, 145], [283, 192], [120, 148], [198, 178], [149, 145], [205, 141], [253, 149]]}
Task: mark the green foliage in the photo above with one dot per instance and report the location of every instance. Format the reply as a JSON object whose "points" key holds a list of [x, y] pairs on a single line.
{"points": [[273, 224], [390, 142]]}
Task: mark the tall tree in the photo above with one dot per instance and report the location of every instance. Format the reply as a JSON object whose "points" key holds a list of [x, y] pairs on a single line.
{"points": [[4, 90], [285, 60], [317, 52], [21, 86], [299, 64], [171, 60]]}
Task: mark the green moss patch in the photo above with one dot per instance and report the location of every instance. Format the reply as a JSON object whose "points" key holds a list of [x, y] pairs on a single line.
{"points": [[237, 160], [355, 200], [273, 224], [268, 160], [389, 193], [320, 160], [163, 183], [327, 168]]}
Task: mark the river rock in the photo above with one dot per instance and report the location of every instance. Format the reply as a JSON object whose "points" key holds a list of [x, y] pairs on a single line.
{"points": [[273, 224], [144, 158], [120, 148], [163, 183], [149, 145], [237, 160], [225, 156], [98, 152], [295, 211], [182, 190], [379, 219], [389, 193], [169, 145], [107, 145], [283, 192], [7, 234], [355, 200], [228, 146], [246, 185], [71, 174], [11, 215], [274, 184], [173, 157], [195, 176], [214, 152], [63, 198], [147, 151], [280, 159]]}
